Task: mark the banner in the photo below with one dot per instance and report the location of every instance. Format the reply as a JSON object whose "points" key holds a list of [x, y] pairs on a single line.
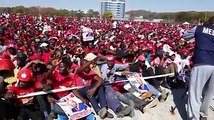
{"points": [[87, 34], [73, 107]]}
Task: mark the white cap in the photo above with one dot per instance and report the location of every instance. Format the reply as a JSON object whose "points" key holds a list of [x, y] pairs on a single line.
{"points": [[90, 57], [43, 45], [171, 53]]}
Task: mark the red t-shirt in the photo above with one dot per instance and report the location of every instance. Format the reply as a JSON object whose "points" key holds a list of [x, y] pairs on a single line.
{"points": [[46, 56], [19, 91], [85, 79], [74, 66], [60, 81], [41, 79], [93, 50], [35, 56]]}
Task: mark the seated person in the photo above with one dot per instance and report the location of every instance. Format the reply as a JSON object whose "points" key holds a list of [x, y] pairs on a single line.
{"points": [[25, 85], [92, 88], [62, 78], [139, 83]]}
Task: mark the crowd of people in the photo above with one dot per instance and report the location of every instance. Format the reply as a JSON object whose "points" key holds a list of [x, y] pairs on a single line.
{"points": [[40, 53]]}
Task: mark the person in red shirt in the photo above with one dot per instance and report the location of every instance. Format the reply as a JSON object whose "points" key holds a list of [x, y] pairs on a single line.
{"points": [[90, 49], [24, 86], [92, 88], [42, 83], [46, 54], [36, 55], [62, 78]]}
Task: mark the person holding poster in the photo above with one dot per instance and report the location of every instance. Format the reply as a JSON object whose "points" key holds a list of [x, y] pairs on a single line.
{"points": [[87, 33], [60, 102], [74, 108], [137, 84], [92, 88]]}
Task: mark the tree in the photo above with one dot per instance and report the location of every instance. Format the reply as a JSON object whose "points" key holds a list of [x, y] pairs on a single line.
{"points": [[96, 14], [34, 10], [90, 13], [79, 14], [48, 11], [20, 9], [131, 16], [63, 12], [182, 16], [107, 15]]}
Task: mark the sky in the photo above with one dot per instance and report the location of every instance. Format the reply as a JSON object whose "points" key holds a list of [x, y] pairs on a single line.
{"points": [[151, 5]]}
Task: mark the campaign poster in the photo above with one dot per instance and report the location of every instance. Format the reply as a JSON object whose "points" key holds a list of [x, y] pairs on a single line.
{"points": [[73, 107], [87, 34], [136, 80]]}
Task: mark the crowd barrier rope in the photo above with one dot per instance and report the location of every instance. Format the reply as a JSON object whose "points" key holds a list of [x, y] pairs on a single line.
{"points": [[72, 88], [48, 92], [145, 78]]}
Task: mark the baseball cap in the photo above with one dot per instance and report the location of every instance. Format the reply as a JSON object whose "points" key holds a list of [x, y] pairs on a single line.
{"points": [[25, 75], [110, 57], [141, 58], [90, 57]]}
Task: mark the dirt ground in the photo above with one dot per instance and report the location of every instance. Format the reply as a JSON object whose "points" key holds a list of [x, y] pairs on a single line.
{"points": [[162, 110]]}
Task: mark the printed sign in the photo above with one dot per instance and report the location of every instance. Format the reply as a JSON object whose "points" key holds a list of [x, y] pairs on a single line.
{"points": [[73, 107], [137, 82], [87, 34]]}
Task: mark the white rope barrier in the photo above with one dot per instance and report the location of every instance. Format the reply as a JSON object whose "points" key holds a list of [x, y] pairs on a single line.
{"points": [[51, 91], [158, 76], [72, 88], [149, 77]]}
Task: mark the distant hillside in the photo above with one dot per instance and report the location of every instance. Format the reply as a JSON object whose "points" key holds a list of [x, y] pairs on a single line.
{"points": [[190, 16], [139, 13]]}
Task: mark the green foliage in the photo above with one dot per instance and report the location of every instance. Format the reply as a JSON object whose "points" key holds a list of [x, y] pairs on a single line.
{"points": [[107, 15], [190, 16], [91, 13], [79, 14], [63, 12], [48, 11], [19, 9]]}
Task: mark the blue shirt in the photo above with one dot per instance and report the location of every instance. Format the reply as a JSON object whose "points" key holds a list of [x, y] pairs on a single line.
{"points": [[204, 44], [105, 71]]}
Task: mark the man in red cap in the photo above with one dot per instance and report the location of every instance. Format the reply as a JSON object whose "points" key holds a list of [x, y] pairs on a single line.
{"points": [[113, 97], [25, 85]]}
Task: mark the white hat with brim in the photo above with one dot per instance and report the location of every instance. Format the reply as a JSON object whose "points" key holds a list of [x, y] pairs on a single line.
{"points": [[90, 57]]}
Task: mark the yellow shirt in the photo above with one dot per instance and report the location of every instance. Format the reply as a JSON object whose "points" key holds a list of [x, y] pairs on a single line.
{"points": [[12, 79], [96, 70]]}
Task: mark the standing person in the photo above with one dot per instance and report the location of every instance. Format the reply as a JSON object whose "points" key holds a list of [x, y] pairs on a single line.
{"points": [[202, 76]]}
